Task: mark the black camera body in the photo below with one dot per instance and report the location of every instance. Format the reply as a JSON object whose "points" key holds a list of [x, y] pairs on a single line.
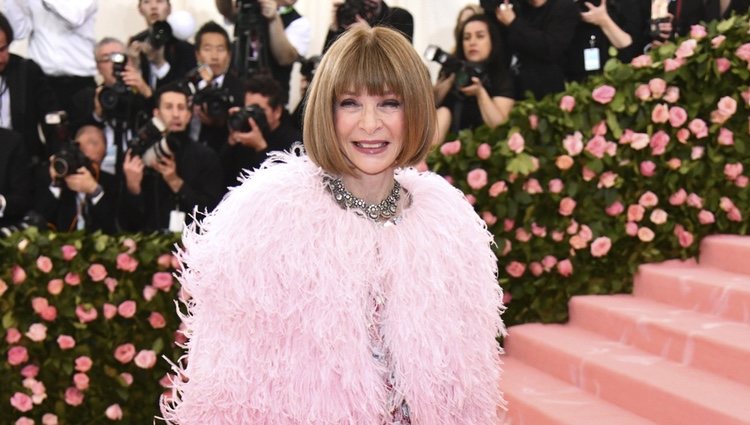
{"points": [[239, 121], [69, 159], [308, 66], [463, 70], [214, 101], [115, 99], [151, 143], [346, 14], [159, 34]]}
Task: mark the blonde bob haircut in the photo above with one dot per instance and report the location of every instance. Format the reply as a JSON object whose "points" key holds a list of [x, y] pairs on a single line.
{"points": [[374, 61]]}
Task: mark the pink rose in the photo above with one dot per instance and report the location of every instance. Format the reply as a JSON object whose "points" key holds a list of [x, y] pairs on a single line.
{"points": [[149, 292], [732, 171], [660, 114], [68, 252], [163, 280], [643, 93], [674, 163], [673, 94], [586, 233], [487, 216], [126, 378], [157, 320], [577, 242], [84, 363], [127, 309], [30, 371], [683, 135], [66, 342], [532, 187], [734, 215], [695, 201], [727, 106], [746, 96], [677, 116], [72, 279], [657, 86], [37, 332], [130, 245], [647, 168], [97, 272], [536, 268], [86, 314], [597, 146], [573, 143], [18, 274], [567, 205], [73, 396], [17, 356], [743, 52], [601, 246], [645, 234], [658, 216], [146, 359], [44, 264], [572, 229], [723, 65], [684, 237], [164, 261], [742, 181], [109, 311], [555, 186], [38, 304], [522, 235], [706, 217], [699, 128], [659, 142], [125, 353], [615, 209], [587, 174], [126, 263], [113, 412], [549, 262], [21, 402], [726, 204], [539, 231], [55, 286], [603, 94], [498, 188], [3, 287], [508, 225], [631, 228], [673, 64], [516, 143], [558, 236], [697, 152], [515, 269], [686, 49], [484, 151], [697, 32], [564, 162], [565, 268], [110, 283], [717, 41], [635, 212], [471, 199], [81, 381], [450, 148], [49, 419], [607, 180], [639, 141], [567, 103], [533, 121], [641, 61], [648, 199], [599, 129], [23, 420], [476, 178], [726, 137]]}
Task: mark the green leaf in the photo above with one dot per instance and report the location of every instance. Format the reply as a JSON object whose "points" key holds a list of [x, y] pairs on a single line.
{"points": [[8, 320], [726, 25], [614, 124], [521, 164]]}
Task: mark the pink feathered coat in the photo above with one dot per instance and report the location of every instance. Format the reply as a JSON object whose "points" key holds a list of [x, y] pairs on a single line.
{"points": [[281, 280]]}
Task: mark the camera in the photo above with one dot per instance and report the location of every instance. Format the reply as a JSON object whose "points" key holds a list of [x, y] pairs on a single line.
{"points": [[659, 15], [151, 144], [159, 34], [239, 121], [214, 101], [346, 14], [69, 159], [115, 99], [248, 14], [464, 70], [32, 219], [309, 66]]}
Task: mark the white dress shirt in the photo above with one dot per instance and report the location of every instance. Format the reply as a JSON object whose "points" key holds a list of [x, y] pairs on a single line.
{"points": [[60, 32], [5, 104]]}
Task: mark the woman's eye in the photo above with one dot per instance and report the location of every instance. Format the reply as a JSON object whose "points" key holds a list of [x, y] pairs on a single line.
{"points": [[347, 103], [391, 104]]}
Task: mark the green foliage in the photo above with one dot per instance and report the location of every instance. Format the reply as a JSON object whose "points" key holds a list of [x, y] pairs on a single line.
{"points": [[650, 145]]}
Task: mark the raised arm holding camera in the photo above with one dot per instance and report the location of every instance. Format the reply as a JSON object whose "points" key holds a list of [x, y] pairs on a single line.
{"points": [[166, 173]]}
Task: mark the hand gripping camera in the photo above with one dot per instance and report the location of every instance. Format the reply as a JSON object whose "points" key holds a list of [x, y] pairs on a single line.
{"points": [[464, 70], [115, 100], [152, 144], [239, 121]]}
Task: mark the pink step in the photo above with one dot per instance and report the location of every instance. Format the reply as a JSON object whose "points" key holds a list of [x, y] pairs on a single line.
{"points": [[657, 389], [693, 339], [535, 398], [726, 252], [698, 288]]}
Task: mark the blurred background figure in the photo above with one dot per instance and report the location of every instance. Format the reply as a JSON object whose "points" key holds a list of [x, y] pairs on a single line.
{"points": [[374, 12], [16, 182], [476, 87]]}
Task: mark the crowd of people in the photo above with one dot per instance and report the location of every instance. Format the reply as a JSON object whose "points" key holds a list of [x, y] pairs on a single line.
{"points": [[134, 135]]}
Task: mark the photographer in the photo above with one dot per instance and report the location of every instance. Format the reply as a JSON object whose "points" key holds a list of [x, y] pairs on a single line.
{"points": [[218, 90], [479, 88], [167, 175], [161, 57], [268, 127], [288, 35], [375, 12], [15, 178], [73, 194]]}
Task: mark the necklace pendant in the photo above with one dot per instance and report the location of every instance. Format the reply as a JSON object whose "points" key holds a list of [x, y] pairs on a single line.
{"points": [[382, 211]]}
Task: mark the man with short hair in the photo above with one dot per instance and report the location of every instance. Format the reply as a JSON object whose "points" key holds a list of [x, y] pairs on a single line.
{"points": [[248, 150], [375, 12], [162, 193]]}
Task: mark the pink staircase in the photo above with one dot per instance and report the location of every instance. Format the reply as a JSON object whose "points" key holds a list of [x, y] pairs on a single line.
{"points": [[676, 352]]}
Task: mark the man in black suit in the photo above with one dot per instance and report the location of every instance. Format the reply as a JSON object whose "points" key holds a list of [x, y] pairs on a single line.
{"points": [[163, 189], [213, 53], [15, 178], [82, 198], [25, 96]]}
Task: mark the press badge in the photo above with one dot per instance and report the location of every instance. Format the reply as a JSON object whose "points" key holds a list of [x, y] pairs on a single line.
{"points": [[176, 221], [591, 60]]}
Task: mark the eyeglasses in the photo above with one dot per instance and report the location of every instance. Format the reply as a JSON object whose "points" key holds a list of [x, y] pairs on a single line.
{"points": [[107, 57]]}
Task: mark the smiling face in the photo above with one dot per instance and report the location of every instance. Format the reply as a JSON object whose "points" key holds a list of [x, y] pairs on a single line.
{"points": [[477, 44], [370, 130]]}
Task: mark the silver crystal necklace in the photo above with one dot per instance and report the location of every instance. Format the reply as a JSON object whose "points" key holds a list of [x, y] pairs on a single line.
{"points": [[382, 211]]}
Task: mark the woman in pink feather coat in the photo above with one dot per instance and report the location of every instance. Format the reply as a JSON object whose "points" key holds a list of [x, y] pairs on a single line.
{"points": [[339, 286]]}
